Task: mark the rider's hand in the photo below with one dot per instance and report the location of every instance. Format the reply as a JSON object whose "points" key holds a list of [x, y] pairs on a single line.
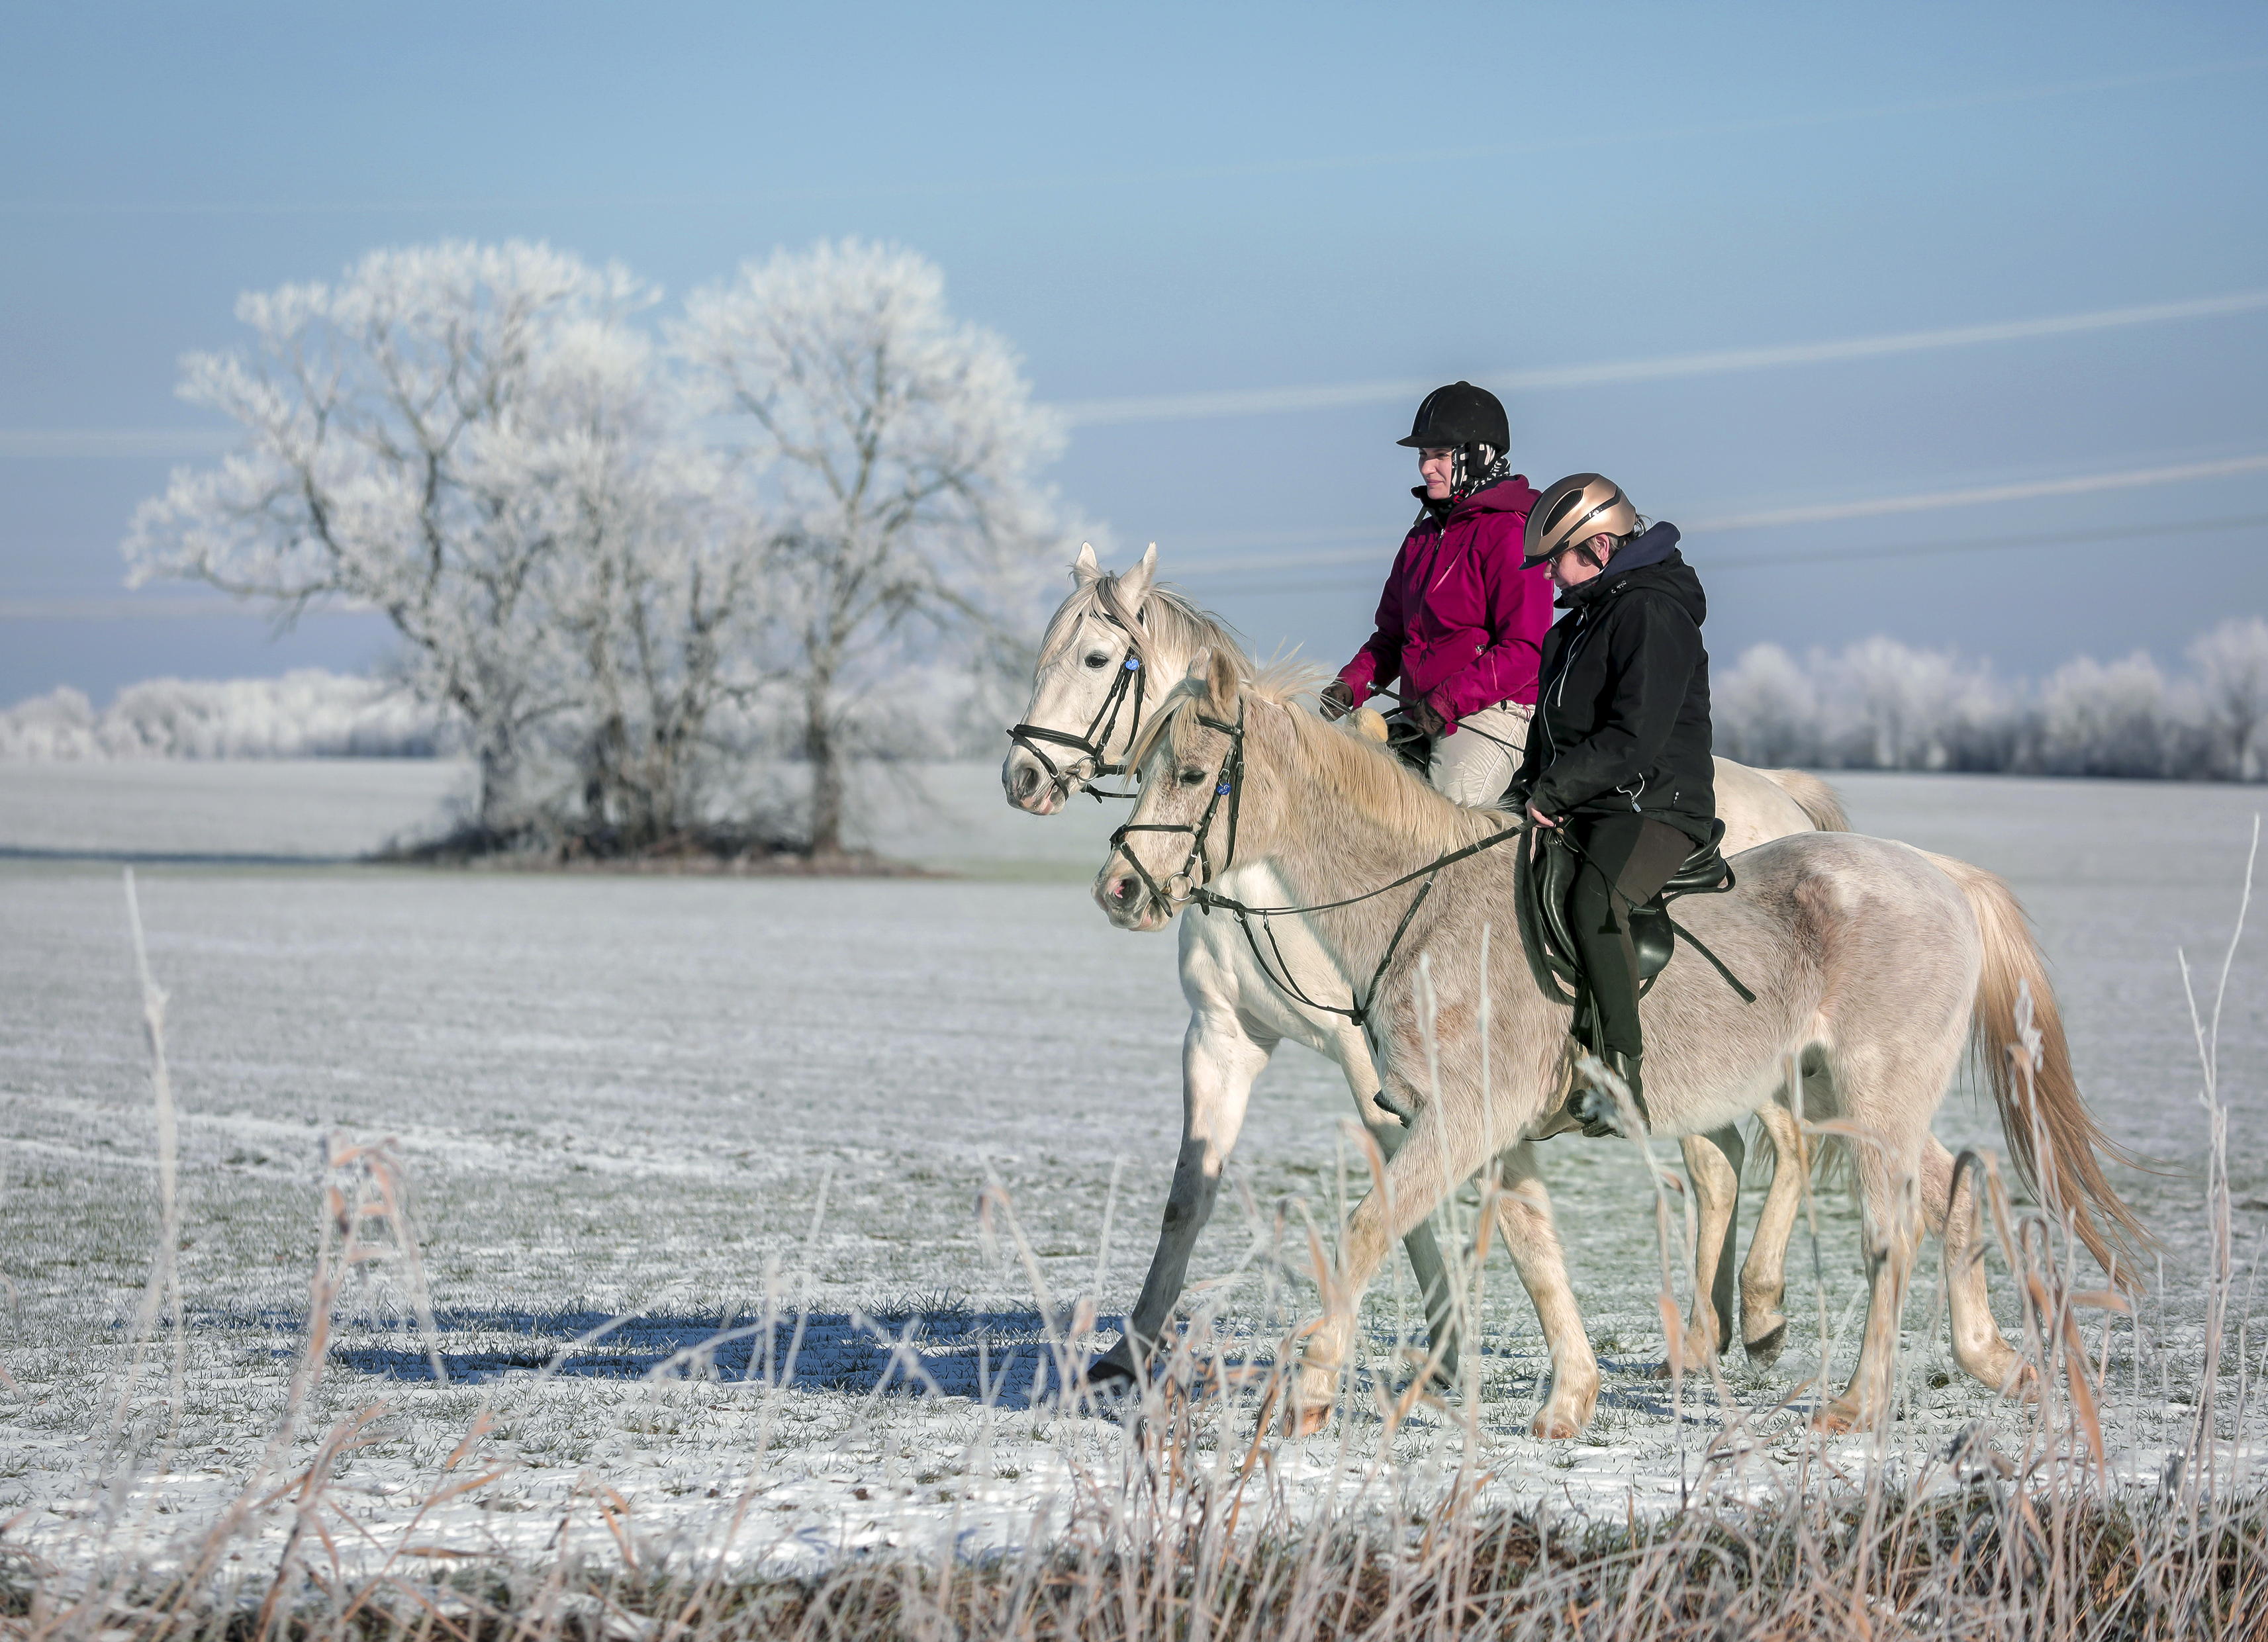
{"points": [[1424, 717], [1337, 699], [1541, 818]]}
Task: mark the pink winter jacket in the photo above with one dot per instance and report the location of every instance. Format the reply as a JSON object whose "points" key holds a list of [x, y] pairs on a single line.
{"points": [[1460, 622]]}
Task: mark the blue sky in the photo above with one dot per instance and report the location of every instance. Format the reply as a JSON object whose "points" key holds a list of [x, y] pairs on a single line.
{"points": [[1174, 203]]}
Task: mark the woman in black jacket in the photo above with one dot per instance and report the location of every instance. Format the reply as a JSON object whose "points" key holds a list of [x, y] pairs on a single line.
{"points": [[1618, 754]]}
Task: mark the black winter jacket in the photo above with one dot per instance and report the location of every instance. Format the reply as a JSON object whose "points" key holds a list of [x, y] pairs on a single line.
{"points": [[1621, 709]]}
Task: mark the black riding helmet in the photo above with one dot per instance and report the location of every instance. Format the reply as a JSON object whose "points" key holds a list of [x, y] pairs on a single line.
{"points": [[1467, 420]]}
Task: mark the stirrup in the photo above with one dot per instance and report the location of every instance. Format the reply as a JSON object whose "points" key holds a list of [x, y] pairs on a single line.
{"points": [[1597, 1110]]}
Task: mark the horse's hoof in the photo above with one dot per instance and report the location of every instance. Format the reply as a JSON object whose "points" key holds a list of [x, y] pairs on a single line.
{"points": [[1109, 1373], [1697, 1367], [1764, 1350], [1838, 1417], [1555, 1427]]}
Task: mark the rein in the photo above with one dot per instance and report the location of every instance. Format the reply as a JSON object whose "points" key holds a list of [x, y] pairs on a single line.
{"points": [[1197, 871], [1357, 1009], [1099, 730]]}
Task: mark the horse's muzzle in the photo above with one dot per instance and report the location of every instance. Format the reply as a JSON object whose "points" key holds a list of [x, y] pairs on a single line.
{"points": [[1029, 786], [1127, 901]]}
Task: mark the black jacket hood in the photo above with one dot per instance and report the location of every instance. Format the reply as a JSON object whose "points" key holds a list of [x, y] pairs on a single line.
{"points": [[1649, 560]]}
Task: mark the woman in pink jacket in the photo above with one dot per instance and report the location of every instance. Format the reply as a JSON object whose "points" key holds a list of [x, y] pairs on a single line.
{"points": [[1461, 623]]}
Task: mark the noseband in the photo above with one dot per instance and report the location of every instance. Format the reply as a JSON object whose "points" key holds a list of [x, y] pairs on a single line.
{"points": [[1100, 729], [1197, 871]]}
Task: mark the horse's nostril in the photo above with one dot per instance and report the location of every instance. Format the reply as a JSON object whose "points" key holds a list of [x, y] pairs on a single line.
{"points": [[1028, 782]]}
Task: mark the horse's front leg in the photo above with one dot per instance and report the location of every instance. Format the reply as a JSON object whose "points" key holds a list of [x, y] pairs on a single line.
{"points": [[1219, 1060], [1348, 1047], [1532, 1238], [1424, 1169]]}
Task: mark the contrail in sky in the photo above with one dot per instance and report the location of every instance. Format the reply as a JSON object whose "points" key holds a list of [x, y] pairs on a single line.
{"points": [[1267, 400], [1874, 507]]}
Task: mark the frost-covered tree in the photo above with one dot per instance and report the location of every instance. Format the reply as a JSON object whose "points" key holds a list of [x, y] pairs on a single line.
{"points": [[457, 435], [1766, 710], [892, 451], [2113, 720], [2232, 672], [307, 713], [1899, 703], [61, 725]]}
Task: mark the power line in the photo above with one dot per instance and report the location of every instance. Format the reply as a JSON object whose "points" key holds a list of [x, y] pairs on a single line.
{"points": [[1709, 565], [1992, 544]]}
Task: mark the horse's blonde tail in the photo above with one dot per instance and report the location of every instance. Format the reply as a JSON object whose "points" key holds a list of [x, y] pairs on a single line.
{"points": [[1818, 802], [2039, 1098]]}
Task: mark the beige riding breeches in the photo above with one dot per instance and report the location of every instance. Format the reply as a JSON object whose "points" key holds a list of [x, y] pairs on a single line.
{"points": [[1476, 764]]}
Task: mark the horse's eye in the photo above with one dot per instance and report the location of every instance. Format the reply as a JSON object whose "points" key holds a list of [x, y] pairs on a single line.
{"points": [[1098, 660], [1192, 778]]}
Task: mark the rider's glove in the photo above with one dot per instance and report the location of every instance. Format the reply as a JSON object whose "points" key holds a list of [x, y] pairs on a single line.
{"points": [[1337, 699]]}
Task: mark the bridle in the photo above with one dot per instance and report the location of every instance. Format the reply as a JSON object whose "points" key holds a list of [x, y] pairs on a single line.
{"points": [[1197, 870], [1100, 729]]}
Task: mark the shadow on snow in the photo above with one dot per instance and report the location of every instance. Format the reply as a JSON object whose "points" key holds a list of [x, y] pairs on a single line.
{"points": [[1000, 1356]]}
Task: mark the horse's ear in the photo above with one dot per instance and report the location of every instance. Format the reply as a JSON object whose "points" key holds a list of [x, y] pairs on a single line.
{"points": [[1085, 568], [1222, 685], [1134, 586]]}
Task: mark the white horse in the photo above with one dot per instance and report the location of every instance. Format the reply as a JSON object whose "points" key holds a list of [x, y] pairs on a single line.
{"points": [[1872, 963], [1112, 647]]}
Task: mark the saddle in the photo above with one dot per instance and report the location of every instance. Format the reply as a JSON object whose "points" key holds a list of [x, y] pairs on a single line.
{"points": [[1544, 876], [1543, 879]]}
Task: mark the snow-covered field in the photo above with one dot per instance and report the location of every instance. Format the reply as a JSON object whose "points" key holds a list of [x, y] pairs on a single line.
{"points": [[682, 1100]]}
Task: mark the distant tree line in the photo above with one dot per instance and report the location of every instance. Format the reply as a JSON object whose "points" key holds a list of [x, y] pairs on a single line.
{"points": [[1884, 705], [1875, 705], [615, 547], [307, 713], [936, 710]]}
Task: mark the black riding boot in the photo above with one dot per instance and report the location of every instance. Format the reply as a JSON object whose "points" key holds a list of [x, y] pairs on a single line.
{"points": [[1626, 860]]}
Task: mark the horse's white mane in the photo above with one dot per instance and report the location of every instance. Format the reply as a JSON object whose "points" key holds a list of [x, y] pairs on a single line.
{"points": [[1371, 778], [1165, 615]]}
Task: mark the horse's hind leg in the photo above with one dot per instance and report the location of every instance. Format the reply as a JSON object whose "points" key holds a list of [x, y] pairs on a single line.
{"points": [[1889, 1168], [1978, 1345], [1712, 1163], [1524, 1215], [1764, 1276]]}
